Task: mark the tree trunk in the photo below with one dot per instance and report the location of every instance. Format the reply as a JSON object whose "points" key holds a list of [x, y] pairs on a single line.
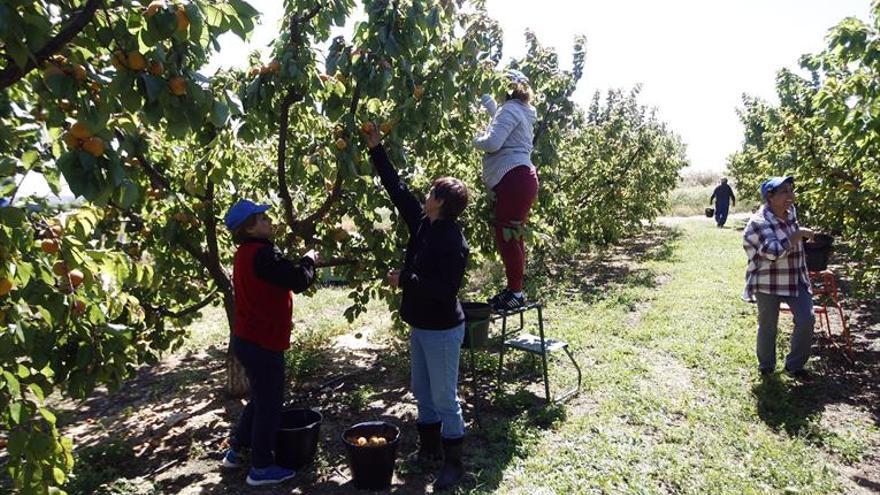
{"points": [[237, 385]]}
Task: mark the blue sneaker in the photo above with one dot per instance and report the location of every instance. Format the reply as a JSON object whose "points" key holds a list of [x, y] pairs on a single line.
{"points": [[233, 459], [269, 475]]}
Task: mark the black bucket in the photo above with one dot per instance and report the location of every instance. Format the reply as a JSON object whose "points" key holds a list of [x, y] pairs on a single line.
{"points": [[710, 212], [817, 252], [297, 439], [372, 466], [476, 324]]}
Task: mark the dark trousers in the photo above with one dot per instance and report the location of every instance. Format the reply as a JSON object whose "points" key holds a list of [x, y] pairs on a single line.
{"points": [[261, 417], [721, 210]]}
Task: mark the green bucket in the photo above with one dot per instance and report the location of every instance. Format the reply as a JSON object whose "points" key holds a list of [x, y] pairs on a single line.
{"points": [[476, 324]]}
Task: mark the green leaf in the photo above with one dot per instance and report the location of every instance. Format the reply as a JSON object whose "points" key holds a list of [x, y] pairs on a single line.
{"points": [[244, 9], [153, 86], [59, 475], [29, 157], [12, 383], [15, 412], [36, 390], [219, 114], [12, 217], [213, 16], [48, 415]]}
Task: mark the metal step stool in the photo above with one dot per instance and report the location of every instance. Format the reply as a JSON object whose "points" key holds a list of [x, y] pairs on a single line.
{"points": [[534, 344]]}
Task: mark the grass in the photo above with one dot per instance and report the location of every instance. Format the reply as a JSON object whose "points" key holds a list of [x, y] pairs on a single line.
{"points": [[672, 401], [690, 200]]}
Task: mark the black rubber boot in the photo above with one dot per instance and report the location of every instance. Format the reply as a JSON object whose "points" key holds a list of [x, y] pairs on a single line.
{"points": [[453, 469], [430, 443]]}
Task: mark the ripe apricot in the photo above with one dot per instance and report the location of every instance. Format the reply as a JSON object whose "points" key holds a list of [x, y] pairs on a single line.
{"points": [[367, 127], [182, 20], [177, 86], [94, 146], [418, 91], [80, 131], [71, 141], [76, 278], [79, 307], [49, 246], [60, 268], [79, 73], [5, 286], [275, 66], [341, 144], [156, 68], [386, 127], [154, 7], [118, 60], [361, 442], [136, 61]]}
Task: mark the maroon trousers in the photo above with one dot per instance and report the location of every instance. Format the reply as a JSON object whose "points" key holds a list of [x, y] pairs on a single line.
{"points": [[514, 196]]}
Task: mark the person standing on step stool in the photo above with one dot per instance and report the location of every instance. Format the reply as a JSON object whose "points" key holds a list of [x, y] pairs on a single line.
{"points": [[509, 173], [777, 273], [262, 281], [722, 196], [432, 275]]}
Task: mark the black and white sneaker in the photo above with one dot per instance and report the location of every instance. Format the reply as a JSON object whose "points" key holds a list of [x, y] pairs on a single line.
{"points": [[497, 297], [508, 301]]}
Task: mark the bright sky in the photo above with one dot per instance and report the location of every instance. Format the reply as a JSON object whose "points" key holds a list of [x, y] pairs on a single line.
{"points": [[694, 58]]}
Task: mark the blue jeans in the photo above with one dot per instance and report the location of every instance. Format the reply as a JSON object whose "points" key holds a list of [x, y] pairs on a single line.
{"points": [[434, 358], [802, 337], [261, 416], [721, 210]]}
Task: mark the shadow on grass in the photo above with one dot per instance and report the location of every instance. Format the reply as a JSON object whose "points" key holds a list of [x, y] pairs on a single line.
{"points": [[588, 276], [789, 409]]}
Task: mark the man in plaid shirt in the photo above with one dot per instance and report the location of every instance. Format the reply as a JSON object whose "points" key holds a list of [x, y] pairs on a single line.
{"points": [[777, 272]]}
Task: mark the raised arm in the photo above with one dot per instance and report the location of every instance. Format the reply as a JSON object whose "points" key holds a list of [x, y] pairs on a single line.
{"points": [[407, 204], [503, 123], [489, 104]]}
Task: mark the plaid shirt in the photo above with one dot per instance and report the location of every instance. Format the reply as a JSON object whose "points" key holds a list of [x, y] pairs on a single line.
{"points": [[775, 265]]}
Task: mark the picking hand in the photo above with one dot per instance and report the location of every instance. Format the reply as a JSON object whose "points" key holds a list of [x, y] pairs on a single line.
{"points": [[313, 255], [393, 278], [372, 132]]}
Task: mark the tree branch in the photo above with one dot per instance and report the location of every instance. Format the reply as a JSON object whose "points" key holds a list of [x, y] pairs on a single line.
{"points": [[305, 229], [335, 262], [298, 20], [183, 312], [283, 126], [12, 73]]}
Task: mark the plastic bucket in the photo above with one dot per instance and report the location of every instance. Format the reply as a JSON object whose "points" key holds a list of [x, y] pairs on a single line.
{"points": [[817, 252], [710, 212], [372, 466], [297, 439], [476, 324]]}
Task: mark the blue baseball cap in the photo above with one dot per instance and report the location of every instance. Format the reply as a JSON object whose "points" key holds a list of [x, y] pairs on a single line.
{"points": [[772, 183], [240, 211]]}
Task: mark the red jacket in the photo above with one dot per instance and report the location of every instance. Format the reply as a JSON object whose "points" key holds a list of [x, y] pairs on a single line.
{"points": [[263, 280]]}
